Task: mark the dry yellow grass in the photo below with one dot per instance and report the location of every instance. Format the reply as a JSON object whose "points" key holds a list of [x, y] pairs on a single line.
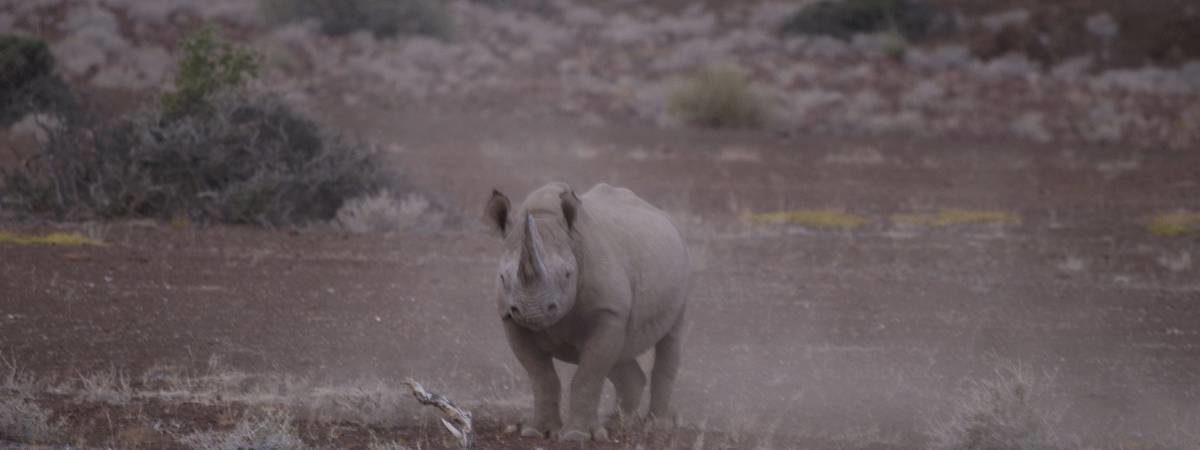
{"points": [[952, 216], [56, 238], [1174, 224], [819, 218]]}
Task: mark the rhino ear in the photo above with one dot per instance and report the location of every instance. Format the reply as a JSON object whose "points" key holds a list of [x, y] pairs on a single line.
{"points": [[570, 207], [495, 214]]}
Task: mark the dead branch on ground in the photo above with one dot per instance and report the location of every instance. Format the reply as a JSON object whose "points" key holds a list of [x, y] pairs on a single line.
{"points": [[457, 420]]}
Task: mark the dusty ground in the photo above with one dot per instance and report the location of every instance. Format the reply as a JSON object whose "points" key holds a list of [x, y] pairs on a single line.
{"points": [[980, 248], [798, 335]]}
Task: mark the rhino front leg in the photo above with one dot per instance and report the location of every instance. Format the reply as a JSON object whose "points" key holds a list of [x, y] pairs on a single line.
{"points": [[539, 366], [667, 354], [598, 358], [630, 381]]}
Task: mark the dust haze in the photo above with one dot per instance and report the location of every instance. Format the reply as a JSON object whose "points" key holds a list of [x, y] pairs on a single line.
{"points": [[975, 235]]}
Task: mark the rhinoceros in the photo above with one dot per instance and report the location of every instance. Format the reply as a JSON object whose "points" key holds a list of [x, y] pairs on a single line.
{"points": [[593, 280]]}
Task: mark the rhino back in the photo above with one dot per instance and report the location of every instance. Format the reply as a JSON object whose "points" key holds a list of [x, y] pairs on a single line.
{"points": [[647, 247]]}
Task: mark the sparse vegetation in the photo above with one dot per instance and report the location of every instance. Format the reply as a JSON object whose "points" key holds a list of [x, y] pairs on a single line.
{"points": [[844, 18], [57, 238], [1174, 224], [27, 80], [717, 98], [23, 421], [1001, 413], [107, 386], [270, 431], [813, 218], [383, 18], [383, 212], [954, 216], [212, 152]]}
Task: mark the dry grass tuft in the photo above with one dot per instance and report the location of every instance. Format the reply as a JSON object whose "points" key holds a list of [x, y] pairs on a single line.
{"points": [[1174, 224], [718, 98], [953, 216], [383, 212], [59, 238], [813, 218], [23, 421], [1000, 413], [106, 386], [271, 431]]}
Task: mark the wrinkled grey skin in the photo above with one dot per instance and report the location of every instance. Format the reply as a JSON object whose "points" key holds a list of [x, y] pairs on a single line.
{"points": [[593, 280]]}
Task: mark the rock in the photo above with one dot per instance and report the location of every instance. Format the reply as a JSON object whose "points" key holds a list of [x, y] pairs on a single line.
{"points": [[1012, 17], [1010, 65], [1072, 69], [1103, 26], [923, 94], [1031, 125], [940, 58]]}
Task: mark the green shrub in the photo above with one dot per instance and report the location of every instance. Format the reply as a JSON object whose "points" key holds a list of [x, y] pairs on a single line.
{"points": [[717, 98], [845, 18], [383, 18], [209, 65], [27, 80]]}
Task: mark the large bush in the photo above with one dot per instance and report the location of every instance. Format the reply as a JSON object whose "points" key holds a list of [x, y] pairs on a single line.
{"points": [[27, 79], [219, 154], [383, 18]]}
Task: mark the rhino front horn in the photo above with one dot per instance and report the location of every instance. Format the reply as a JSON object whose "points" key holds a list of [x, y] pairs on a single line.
{"points": [[532, 263]]}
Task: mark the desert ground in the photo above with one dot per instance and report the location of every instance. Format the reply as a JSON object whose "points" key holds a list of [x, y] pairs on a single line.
{"points": [[853, 288]]}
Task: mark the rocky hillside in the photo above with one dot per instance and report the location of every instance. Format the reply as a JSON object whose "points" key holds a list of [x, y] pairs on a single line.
{"points": [[997, 75]]}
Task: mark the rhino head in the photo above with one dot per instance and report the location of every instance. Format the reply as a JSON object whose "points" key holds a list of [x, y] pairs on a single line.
{"points": [[538, 274]]}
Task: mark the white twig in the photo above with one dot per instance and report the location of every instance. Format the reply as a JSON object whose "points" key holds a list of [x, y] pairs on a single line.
{"points": [[457, 420]]}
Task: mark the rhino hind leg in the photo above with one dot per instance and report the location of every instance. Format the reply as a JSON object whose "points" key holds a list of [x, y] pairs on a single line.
{"points": [[630, 381], [667, 354]]}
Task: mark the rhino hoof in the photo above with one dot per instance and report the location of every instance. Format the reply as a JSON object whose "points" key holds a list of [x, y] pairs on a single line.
{"points": [[531, 432], [664, 422], [574, 436], [599, 434]]}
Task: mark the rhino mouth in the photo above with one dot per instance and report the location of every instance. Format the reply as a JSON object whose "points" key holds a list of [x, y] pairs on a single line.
{"points": [[535, 322]]}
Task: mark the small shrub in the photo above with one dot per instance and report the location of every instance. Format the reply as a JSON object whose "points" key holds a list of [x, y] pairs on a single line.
{"points": [[107, 386], [27, 80], [272, 431], [383, 212], [383, 18], [209, 65], [1000, 413], [23, 421], [717, 98], [845, 18]]}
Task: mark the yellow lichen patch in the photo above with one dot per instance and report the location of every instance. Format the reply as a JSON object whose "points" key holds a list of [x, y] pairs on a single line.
{"points": [[1174, 224], [57, 238], [952, 216], [824, 218]]}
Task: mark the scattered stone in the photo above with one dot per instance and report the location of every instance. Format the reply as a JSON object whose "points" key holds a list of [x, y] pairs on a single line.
{"points": [[939, 58], [1072, 69], [1012, 17], [1031, 125], [1103, 26], [923, 94]]}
